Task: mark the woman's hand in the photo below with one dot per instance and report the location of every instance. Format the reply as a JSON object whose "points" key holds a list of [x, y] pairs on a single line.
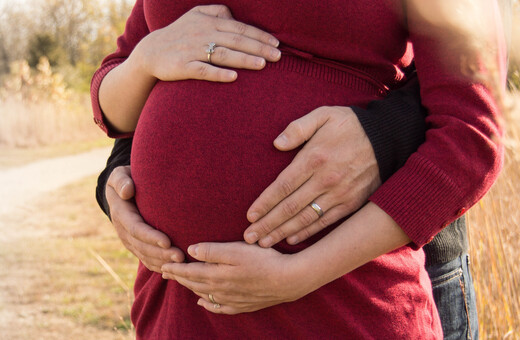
{"points": [[240, 277], [179, 51], [336, 169]]}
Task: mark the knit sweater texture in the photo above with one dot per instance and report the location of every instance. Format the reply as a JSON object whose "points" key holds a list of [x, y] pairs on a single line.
{"points": [[202, 152]]}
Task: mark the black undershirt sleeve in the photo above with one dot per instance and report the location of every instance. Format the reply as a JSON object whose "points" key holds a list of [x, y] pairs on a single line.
{"points": [[120, 156], [395, 126]]}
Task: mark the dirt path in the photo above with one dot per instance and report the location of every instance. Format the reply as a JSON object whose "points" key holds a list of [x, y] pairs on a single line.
{"points": [[50, 285], [21, 184]]}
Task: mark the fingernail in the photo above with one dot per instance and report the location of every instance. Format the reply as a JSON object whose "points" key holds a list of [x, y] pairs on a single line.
{"points": [[275, 42], [293, 240], [275, 54], [281, 140], [266, 242], [231, 75], [174, 258], [192, 250], [253, 216], [260, 62], [161, 244], [199, 302], [251, 237]]}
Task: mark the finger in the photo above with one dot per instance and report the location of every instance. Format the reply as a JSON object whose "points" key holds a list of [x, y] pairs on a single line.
{"points": [[154, 262], [221, 253], [230, 58], [125, 214], [223, 309], [154, 269], [195, 272], [121, 180], [283, 212], [288, 181], [204, 71], [306, 217], [191, 285], [237, 27], [159, 255], [219, 11], [301, 130], [330, 217], [242, 43]]}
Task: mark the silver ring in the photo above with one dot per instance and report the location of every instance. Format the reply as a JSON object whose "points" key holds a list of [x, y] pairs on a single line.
{"points": [[210, 50], [317, 208]]}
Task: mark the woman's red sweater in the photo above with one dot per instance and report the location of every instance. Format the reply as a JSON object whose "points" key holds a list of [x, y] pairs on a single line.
{"points": [[203, 152]]}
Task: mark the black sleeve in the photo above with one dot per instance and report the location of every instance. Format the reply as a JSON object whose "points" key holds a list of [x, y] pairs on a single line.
{"points": [[120, 156], [395, 126]]}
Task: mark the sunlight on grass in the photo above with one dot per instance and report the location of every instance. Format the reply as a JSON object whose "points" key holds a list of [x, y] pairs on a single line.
{"points": [[494, 244]]}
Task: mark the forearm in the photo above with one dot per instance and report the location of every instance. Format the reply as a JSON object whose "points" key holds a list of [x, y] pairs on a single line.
{"points": [[123, 93], [367, 234]]}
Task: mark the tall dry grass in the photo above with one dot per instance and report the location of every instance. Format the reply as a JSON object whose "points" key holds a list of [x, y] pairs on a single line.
{"points": [[494, 228], [37, 109]]}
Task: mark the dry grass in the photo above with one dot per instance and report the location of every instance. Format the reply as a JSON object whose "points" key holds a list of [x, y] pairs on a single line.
{"points": [[30, 124], [54, 282], [494, 244], [15, 156]]}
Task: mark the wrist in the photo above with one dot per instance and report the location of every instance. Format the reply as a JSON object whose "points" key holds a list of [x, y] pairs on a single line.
{"points": [[301, 269], [139, 66]]}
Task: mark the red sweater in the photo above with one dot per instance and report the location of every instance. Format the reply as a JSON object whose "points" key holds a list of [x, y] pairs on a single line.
{"points": [[203, 152]]}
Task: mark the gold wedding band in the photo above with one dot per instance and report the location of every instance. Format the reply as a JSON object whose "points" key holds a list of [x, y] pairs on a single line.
{"points": [[212, 299], [317, 208], [210, 50]]}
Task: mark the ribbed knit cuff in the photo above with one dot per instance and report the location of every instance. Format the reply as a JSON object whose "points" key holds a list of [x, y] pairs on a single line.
{"points": [[407, 197], [449, 244], [395, 127], [99, 117]]}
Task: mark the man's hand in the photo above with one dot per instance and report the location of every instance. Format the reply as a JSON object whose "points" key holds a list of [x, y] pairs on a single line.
{"points": [[336, 169], [150, 246]]}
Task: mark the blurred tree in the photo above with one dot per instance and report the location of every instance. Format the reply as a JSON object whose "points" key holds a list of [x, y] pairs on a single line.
{"points": [[70, 22], [45, 45], [16, 27]]}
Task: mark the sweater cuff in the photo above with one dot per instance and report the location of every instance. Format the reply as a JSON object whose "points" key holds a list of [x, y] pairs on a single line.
{"points": [[99, 117], [408, 195], [395, 127]]}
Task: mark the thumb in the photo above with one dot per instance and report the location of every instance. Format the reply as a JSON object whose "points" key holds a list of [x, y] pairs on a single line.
{"points": [[120, 179], [212, 252], [301, 130]]}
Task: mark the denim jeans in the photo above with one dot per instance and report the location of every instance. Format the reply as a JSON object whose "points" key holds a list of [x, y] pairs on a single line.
{"points": [[454, 296]]}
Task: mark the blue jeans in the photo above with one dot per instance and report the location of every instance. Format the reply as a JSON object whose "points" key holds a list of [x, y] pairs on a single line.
{"points": [[454, 296]]}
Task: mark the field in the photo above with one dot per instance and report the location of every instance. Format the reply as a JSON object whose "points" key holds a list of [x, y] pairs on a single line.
{"points": [[494, 242]]}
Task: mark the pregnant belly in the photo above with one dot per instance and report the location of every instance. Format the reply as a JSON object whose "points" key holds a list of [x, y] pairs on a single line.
{"points": [[203, 151]]}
